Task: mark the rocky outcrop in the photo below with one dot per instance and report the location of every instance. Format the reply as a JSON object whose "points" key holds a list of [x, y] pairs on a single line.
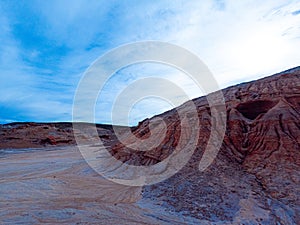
{"points": [[256, 175]]}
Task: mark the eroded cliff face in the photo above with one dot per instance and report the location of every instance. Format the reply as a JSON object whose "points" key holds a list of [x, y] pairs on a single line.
{"points": [[263, 132], [255, 178], [256, 175]]}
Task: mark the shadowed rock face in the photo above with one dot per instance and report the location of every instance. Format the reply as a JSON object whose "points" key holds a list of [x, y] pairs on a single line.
{"points": [[253, 109], [255, 178]]}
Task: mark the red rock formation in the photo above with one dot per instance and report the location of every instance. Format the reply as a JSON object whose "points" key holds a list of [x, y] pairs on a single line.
{"points": [[260, 154]]}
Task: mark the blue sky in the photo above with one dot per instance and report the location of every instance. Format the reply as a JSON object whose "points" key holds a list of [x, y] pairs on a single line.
{"points": [[45, 47]]}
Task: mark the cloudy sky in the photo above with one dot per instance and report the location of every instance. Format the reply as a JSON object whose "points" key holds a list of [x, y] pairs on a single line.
{"points": [[46, 46]]}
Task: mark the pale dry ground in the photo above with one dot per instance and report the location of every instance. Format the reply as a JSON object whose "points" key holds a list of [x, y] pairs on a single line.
{"points": [[55, 185]]}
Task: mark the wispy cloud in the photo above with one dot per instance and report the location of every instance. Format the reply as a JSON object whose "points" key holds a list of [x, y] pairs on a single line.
{"points": [[47, 45]]}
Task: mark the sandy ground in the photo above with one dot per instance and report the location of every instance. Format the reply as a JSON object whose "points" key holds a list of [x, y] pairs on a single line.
{"points": [[55, 185]]}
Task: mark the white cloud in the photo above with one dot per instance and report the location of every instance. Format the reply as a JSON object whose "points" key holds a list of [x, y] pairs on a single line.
{"points": [[245, 40]]}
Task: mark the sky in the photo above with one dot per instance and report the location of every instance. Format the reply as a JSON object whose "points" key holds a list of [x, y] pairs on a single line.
{"points": [[46, 46]]}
